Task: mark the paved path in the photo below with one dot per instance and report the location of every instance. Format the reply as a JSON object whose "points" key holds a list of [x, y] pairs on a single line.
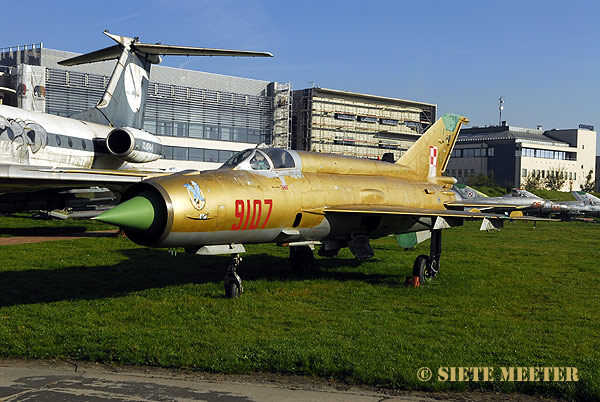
{"points": [[62, 381], [38, 380], [5, 241]]}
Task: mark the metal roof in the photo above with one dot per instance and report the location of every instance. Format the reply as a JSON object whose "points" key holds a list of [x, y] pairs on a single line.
{"points": [[337, 92], [507, 133]]}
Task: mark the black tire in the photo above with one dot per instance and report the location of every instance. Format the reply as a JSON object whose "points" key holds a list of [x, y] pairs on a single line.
{"points": [[302, 260], [231, 290], [421, 268]]}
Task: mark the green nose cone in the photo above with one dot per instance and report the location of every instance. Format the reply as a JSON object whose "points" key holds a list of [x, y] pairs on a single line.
{"points": [[136, 213]]}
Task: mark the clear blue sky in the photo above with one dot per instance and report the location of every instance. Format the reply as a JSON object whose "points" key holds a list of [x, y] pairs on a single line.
{"points": [[542, 56]]}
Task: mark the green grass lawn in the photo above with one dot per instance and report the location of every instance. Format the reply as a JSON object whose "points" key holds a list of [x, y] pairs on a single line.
{"points": [[518, 297]]}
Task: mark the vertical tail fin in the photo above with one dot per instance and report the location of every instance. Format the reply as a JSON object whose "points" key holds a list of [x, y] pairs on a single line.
{"points": [[430, 154], [122, 104]]}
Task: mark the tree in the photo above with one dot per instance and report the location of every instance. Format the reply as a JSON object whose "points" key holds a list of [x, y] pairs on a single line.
{"points": [[533, 182], [555, 179], [590, 184]]}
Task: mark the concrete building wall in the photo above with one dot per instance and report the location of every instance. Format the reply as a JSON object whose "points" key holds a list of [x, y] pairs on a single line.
{"points": [[597, 173], [514, 155]]}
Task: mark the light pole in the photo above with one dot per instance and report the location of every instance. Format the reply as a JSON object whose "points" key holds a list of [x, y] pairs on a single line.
{"points": [[500, 108]]}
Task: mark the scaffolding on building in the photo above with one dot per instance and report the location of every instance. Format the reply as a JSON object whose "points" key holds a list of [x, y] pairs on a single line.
{"points": [[358, 125], [282, 115]]}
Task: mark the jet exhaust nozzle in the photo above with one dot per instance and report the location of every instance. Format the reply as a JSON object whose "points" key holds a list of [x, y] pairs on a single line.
{"points": [[133, 145]]}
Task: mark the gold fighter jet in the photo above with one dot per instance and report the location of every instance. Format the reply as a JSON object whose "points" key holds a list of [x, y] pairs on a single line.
{"points": [[301, 199]]}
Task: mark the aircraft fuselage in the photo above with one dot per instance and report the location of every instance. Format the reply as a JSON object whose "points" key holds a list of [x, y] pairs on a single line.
{"points": [[38, 139], [282, 205]]}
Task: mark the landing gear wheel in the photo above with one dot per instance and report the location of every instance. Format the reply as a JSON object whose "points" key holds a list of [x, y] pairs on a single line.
{"points": [[233, 283], [423, 268], [420, 267], [302, 260], [231, 290]]}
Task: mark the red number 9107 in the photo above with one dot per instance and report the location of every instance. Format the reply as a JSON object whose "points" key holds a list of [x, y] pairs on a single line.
{"points": [[249, 213]]}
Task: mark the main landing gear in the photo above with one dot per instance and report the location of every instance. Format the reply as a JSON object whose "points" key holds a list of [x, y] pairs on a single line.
{"points": [[233, 283], [302, 260], [426, 267]]}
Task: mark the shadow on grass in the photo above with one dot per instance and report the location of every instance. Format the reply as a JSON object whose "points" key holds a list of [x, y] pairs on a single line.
{"points": [[151, 268]]}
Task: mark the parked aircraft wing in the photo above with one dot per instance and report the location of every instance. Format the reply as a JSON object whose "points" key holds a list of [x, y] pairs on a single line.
{"points": [[23, 178], [421, 212], [484, 206]]}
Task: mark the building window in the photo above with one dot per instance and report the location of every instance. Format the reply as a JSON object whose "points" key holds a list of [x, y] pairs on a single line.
{"points": [[453, 172], [150, 126], [226, 133], [224, 156], [211, 132], [240, 134], [196, 130], [167, 152], [211, 155], [254, 136], [490, 152], [345, 116], [472, 172], [524, 173], [180, 153], [181, 129], [196, 154], [459, 172], [164, 128]]}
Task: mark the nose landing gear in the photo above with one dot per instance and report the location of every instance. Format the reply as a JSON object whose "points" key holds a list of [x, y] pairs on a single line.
{"points": [[233, 283]]}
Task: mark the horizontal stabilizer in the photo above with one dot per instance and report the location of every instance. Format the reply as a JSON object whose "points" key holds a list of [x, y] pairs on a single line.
{"points": [[165, 50], [108, 53], [151, 50]]}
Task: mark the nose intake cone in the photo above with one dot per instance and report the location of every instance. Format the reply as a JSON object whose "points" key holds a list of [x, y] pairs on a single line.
{"points": [[135, 213]]}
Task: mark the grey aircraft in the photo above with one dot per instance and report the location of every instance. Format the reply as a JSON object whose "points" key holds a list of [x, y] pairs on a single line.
{"points": [[517, 200], [586, 205]]}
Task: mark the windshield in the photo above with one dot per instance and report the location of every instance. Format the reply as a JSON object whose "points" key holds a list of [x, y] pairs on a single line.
{"points": [[281, 158], [261, 159], [237, 158], [259, 162]]}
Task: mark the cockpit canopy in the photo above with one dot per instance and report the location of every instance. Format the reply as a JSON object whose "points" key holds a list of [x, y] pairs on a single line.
{"points": [[261, 159]]}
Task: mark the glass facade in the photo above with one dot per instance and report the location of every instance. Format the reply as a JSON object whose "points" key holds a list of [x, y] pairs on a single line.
{"points": [[207, 114], [174, 111]]}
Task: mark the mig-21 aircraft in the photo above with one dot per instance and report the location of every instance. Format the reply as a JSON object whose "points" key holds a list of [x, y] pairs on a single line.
{"points": [[41, 155], [517, 200], [301, 199], [585, 205]]}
